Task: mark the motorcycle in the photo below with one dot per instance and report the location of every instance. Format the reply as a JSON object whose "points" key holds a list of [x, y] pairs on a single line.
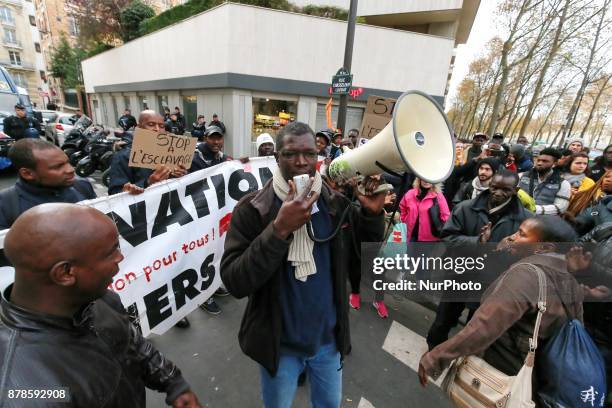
{"points": [[77, 139], [99, 154], [5, 144]]}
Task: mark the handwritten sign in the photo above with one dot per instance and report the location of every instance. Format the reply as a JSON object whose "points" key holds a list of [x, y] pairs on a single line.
{"points": [[151, 150], [378, 114]]}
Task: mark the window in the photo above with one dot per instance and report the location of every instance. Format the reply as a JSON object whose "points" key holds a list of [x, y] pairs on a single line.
{"points": [[163, 103], [6, 15], [73, 27], [15, 58], [142, 103], [32, 20], [20, 79], [126, 104], [43, 76], [190, 109], [37, 47], [10, 36], [66, 120], [353, 117], [270, 115]]}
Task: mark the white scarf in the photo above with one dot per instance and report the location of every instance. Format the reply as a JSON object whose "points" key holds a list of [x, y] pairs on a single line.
{"points": [[300, 251], [479, 187]]}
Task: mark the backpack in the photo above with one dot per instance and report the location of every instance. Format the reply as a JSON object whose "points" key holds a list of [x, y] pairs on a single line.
{"points": [[572, 369]]}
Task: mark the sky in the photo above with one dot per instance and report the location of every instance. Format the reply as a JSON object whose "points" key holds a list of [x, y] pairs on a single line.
{"points": [[482, 31]]}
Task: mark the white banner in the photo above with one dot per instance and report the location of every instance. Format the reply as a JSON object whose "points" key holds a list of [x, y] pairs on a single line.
{"points": [[172, 237]]}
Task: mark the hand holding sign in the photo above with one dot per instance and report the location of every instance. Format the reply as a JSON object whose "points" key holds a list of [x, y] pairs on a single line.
{"points": [[152, 150]]}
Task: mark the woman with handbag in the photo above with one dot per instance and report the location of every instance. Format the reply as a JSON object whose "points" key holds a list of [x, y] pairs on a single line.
{"points": [[520, 308], [424, 211]]}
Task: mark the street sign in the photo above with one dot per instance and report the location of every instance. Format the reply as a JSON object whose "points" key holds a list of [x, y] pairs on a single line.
{"points": [[342, 82]]}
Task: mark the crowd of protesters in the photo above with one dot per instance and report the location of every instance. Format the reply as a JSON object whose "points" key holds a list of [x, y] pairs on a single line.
{"points": [[296, 320]]}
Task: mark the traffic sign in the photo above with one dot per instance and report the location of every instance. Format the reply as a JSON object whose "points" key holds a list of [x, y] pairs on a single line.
{"points": [[342, 82]]}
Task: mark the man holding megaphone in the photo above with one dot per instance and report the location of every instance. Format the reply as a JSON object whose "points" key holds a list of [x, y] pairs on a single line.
{"points": [[287, 250]]}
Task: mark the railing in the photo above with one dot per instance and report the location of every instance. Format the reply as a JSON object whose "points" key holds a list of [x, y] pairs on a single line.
{"points": [[23, 65]]}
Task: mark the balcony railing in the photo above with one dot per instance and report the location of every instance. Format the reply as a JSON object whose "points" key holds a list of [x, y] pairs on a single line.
{"points": [[10, 43], [22, 65]]}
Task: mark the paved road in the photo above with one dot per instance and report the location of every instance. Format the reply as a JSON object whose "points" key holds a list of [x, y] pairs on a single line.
{"points": [[380, 371]]}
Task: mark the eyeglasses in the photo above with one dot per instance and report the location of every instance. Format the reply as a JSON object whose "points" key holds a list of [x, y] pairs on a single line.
{"points": [[292, 155]]}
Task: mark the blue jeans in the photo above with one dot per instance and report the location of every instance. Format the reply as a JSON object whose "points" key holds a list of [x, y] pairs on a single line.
{"points": [[324, 374]]}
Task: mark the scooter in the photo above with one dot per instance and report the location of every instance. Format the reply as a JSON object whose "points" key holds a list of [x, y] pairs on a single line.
{"points": [[99, 154], [77, 139]]}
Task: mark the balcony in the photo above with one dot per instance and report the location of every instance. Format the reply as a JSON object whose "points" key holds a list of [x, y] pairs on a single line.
{"points": [[23, 65], [18, 3], [10, 43]]}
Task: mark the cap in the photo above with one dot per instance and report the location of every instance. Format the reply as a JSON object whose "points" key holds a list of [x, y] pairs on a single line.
{"points": [[19, 106], [264, 138], [212, 130], [328, 134]]}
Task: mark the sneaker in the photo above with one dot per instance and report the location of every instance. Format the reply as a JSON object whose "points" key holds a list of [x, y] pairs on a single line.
{"points": [[381, 309], [221, 292], [183, 323], [355, 300], [211, 306]]}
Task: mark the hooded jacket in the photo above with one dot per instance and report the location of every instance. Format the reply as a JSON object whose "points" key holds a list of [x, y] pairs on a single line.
{"points": [[412, 209], [255, 257]]}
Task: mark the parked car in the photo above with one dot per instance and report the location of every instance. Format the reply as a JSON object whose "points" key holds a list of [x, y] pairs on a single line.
{"points": [[58, 127], [48, 116]]}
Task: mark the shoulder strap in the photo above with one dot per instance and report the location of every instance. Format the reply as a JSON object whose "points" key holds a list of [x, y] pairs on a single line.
{"points": [[533, 341]]}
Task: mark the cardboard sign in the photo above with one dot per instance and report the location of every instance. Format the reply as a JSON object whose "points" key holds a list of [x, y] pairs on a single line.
{"points": [[378, 114], [151, 150]]}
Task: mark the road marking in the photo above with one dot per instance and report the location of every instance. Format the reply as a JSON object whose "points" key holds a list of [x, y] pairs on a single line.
{"points": [[407, 346], [364, 403]]}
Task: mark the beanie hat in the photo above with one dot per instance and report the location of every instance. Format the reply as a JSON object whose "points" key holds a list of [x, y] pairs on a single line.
{"points": [[517, 150], [575, 139], [493, 163], [264, 138]]}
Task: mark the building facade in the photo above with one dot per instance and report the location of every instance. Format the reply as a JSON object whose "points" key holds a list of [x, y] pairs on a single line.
{"points": [[21, 50], [263, 68]]}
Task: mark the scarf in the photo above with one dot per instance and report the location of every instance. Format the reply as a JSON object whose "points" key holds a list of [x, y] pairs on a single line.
{"points": [[479, 187], [574, 178], [300, 251]]}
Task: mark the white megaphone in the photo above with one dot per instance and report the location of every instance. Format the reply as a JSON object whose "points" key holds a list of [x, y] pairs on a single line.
{"points": [[418, 139]]}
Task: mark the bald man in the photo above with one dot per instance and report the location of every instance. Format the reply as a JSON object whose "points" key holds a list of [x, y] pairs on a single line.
{"points": [[60, 328], [134, 179]]}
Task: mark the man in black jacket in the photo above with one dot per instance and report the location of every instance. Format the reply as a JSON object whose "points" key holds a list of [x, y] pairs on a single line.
{"points": [[127, 121], [216, 122], [45, 176], [135, 179], [492, 216], [297, 314], [19, 125], [60, 328]]}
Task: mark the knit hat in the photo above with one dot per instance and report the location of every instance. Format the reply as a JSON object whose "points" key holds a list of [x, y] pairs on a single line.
{"points": [[517, 150], [493, 163], [264, 138], [574, 140]]}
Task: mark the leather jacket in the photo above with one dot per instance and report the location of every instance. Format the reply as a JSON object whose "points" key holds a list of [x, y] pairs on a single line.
{"points": [[98, 356]]}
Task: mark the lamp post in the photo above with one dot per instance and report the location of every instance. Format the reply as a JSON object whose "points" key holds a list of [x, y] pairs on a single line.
{"points": [[348, 57]]}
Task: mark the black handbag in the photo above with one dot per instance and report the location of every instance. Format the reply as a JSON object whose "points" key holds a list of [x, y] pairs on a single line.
{"points": [[434, 216]]}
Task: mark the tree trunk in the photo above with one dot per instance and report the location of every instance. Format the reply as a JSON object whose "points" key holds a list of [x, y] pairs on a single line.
{"points": [[554, 49], [594, 107]]}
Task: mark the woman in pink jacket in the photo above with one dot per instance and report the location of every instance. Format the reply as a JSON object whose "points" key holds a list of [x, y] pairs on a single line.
{"points": [[414, 210]]}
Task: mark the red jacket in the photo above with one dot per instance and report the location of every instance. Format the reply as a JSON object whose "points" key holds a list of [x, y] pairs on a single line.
{"points": [[410, 207]]}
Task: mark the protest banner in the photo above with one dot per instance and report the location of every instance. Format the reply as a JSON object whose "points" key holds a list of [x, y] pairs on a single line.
{"points": [[378, 114], [151, 150], [172, 238]]}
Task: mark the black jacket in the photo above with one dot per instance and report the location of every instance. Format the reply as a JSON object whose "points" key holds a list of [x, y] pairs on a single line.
{"points": [[98, 355], [255, 257], [15, 126], [22, 196], [466, 220], [598, 315], [121, 173], [595, 215], [175, 127], [204, 158]]}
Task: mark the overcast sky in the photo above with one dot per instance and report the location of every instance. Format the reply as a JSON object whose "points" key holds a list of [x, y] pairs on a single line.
{"points": [[482, 31]]}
